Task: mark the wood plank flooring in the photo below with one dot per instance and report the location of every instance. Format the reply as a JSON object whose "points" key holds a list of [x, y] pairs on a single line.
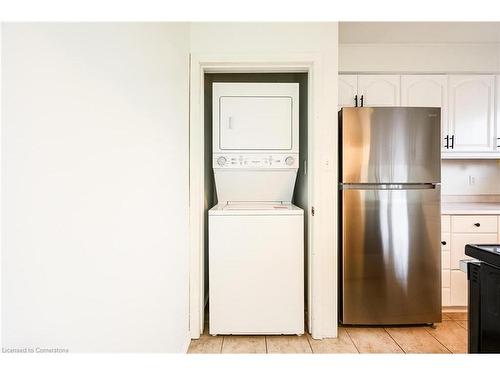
{"points": [[450, 336]]}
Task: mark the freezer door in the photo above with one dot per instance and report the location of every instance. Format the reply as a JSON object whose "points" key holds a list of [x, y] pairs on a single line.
{"points": [[390, 145], [391, 261]]}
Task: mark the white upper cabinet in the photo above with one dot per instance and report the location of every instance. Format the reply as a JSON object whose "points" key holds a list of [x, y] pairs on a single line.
{"points": [[471, 113], [348, 90], [470, 106], [427, 91], [379, 90], [424, 90]]}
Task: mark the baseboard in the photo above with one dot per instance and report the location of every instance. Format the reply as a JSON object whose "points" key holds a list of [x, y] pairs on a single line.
{"points": [[454, 309], [326, 335]]}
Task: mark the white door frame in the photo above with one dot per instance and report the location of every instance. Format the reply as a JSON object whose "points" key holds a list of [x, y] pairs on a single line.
{"points": [[322, 283]]}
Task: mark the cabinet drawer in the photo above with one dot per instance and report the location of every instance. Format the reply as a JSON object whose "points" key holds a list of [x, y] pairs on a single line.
{"points": [[445, 260], [474, 224], [445, 242], [458, 288], [458, 242], [445, 278], [445, 224], [445, 297]]}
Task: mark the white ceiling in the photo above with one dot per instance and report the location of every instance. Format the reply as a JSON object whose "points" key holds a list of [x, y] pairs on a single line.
{"points": [[419, 32]]}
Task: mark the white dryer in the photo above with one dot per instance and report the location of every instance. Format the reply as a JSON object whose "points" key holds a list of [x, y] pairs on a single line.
{"points": [[256, 240]]}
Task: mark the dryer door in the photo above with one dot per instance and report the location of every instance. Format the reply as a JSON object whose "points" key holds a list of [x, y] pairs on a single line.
{"points": [[255, 123]]}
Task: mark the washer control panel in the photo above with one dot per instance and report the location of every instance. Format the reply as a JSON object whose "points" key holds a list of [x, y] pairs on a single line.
{"points": [[256, 161]]}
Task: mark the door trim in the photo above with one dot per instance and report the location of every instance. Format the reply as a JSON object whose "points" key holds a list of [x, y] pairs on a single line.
{"points": [[322, 120]]}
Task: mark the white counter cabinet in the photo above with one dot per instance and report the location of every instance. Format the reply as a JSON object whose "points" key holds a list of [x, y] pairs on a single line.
{"points": [[445, 259], [457, 231]]}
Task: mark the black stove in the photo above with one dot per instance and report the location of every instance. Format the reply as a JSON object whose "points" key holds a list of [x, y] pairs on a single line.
{"points": [[486, 253], [484, 298]]}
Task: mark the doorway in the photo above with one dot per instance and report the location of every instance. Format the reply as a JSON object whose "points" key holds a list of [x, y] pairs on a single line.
{"points": [[301, 187], [321, 262]]}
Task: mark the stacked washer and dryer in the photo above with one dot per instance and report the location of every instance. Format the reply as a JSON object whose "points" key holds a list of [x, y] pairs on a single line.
{"points": [[256, 234]]}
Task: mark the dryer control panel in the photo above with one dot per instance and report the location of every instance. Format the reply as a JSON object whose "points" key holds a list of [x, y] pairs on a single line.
{"points": [[256, 161]]}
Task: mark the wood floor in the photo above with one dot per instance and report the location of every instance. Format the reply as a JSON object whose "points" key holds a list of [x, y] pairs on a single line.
{"points": [[450, 336]]}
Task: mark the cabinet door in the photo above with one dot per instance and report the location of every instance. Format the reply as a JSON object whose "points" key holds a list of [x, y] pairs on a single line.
{"points": [[445, 223], [379, 90], [348, 89], [496, 140], [445, 242], [445, 278], [445, 296], [427, 91], [471, 113], [458, 288]]}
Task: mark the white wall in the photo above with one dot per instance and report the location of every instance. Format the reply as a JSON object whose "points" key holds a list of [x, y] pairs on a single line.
{"points": [[456, 173], [249, 40], [434, 58], [266, 37], [95, 186]]}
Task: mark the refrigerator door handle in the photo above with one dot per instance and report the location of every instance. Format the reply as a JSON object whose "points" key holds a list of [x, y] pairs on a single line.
{"points": [[389, 186]]}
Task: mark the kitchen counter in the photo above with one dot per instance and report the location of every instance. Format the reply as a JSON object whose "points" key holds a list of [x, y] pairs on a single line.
{"points": [[470, 208]]}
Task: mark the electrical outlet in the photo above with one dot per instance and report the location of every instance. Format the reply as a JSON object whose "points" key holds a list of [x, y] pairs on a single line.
{"points": [[472, 180]]}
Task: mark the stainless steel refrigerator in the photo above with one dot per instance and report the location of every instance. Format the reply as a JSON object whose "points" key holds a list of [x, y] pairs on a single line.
{"points": [[390, 224]]}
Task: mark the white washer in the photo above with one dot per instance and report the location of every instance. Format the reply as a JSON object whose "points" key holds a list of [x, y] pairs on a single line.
{"points": [[256, 240], [256, 261]]}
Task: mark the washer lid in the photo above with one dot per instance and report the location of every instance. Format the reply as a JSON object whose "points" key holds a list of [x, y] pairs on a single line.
{"points": [[256, 208]]}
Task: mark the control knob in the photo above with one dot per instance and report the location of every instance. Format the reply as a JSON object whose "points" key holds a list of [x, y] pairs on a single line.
{"points": [[289, 160], [221, 160]]}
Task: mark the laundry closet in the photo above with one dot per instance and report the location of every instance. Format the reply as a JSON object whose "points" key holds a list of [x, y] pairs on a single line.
{"points": [[256, 203]]}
